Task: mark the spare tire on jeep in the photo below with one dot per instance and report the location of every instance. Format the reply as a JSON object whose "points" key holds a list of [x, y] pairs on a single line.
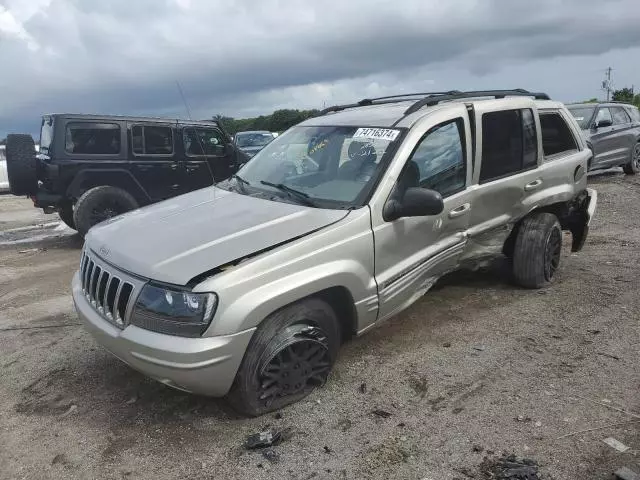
{"points": [[21, 164], [99, 204]]}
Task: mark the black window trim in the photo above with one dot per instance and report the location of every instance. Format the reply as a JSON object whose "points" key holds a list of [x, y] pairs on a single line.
{"points": [[204, 155], [463, 144], [155, 155], [521, 170], [559, 155], [119, 153]]}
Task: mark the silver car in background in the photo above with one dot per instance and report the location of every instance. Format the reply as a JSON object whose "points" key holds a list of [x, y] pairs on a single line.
{"points": [[612, 131], [4, 179]]}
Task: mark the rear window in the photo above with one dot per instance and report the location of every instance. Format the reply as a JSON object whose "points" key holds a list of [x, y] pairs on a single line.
{"points": [[556, 135], [46, 134], [92, 138]]}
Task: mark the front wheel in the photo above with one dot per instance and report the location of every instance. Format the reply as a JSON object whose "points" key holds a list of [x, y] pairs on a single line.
{"points": [[99, 204], [633, 166], [290, 354], [536, 254]]}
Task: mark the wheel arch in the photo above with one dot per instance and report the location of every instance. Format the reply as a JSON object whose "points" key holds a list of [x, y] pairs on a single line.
{"points": [[87, 179]]}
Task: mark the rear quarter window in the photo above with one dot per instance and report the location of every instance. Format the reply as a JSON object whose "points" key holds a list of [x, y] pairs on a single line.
{"points": [[90, 138], [557, 138]]}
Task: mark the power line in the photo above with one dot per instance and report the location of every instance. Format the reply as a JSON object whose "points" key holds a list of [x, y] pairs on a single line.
{"points": [[606, 83]]}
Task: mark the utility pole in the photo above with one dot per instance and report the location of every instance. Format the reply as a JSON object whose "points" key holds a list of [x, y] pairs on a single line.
{"points": [[606, 84]]}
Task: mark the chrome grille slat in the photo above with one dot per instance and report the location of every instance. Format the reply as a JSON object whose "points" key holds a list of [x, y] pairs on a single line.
{"points": [[95, 274]]}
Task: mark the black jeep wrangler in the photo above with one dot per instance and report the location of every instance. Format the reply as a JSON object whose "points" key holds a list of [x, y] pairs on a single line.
{"points": [[90, 167]]}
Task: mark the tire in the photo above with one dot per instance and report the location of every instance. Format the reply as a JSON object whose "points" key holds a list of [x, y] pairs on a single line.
{"points": [[21, 164], [536, 255], [99, 204], [66, 215], [309, 327], [633, 166]]}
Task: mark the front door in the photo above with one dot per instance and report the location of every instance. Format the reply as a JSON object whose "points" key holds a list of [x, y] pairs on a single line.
{"points": [[412, 252], [154, 163], [603, 139]]}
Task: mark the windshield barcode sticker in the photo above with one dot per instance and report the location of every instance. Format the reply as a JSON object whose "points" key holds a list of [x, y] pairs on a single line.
{"points": [[381, 133]]}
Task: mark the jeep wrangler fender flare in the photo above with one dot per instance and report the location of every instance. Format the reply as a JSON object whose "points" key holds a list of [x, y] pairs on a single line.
{"points": [[120, 178]]}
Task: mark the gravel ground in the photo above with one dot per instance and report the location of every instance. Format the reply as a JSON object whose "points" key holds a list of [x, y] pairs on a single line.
{"points": [[476, 366]]}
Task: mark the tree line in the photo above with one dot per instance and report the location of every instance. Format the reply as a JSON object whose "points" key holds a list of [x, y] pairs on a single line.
{"points": [[278, 121]]}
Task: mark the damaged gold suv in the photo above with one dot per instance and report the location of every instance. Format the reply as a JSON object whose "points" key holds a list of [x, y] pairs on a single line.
{"points": [[248, 288]]}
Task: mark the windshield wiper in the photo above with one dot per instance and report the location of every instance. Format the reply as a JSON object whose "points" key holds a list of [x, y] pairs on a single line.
{"points": [[241, 181], [301, 196]]}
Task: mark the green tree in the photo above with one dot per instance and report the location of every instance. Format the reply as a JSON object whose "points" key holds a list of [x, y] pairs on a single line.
{"points": [[623, 95]]}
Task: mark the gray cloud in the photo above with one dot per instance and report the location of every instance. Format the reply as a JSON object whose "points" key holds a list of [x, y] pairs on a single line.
{"points": [[239, 57]]}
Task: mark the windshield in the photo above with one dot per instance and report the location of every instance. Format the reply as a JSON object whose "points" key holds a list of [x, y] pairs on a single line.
{"points": [[46, 134], [582, 115], [253, 139], [334, 167]]}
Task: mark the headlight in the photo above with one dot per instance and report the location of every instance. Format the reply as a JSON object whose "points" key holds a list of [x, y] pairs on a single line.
{"points": [[173, 311]]}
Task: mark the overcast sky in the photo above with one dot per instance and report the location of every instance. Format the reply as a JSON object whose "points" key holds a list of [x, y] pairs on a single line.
{"points": [[248, 57]]}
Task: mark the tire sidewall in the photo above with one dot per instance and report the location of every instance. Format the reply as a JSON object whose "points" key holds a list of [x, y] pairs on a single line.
{"points": [[530, 260], [316, 312], [93, 198]]}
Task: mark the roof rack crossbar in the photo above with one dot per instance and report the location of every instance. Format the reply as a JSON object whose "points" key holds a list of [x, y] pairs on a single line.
{"points": [[432, 100], [381, 101]]}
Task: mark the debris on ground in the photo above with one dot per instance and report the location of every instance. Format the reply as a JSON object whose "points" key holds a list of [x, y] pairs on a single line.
{"points": [[509, 467], [271, 455], [263, 439], [30, 250], [71, 410], [615, 444], [327, 449], [446, 344], [479, 348], [382, 413], [522, 418], [278, 416], [608, 355], [477, 449], [625, 474], [593, 331], [363, 388]]}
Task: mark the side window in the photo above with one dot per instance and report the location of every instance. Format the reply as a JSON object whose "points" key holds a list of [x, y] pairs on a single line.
{"points": [[509, 143], [635, 114], [441, 159], [203, 141], [92, 138], [151, 140], [620, 117], [556, 135], [603, 114]]}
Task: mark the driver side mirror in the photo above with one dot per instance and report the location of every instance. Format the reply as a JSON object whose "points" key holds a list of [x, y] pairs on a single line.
{"points": [[416, 202], [603, 123]]}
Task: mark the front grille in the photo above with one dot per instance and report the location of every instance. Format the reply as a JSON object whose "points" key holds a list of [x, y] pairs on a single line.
{"points": [[106, 289]]}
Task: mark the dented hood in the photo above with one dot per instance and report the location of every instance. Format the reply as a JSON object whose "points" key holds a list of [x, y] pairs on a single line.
{"points": [[175, 240]]}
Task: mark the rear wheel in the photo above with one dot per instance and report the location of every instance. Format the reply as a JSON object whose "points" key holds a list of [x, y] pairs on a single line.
{"points": [[100, 204], [21, 164], [633, 166], [536, 255], [66, 215], [290, 354]]}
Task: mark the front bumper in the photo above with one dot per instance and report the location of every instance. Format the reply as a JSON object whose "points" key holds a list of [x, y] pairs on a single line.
{"points": [[205, 366]]}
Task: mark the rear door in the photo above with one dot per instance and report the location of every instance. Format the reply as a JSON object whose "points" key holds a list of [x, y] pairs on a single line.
{"points": [[153, 160], [205, 160], [508, 152], [624, 135]]}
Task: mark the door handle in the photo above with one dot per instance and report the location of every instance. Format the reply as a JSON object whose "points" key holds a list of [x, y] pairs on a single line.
{"points": [[459, 211], [192, 168], [174, 166], [532, 185]]}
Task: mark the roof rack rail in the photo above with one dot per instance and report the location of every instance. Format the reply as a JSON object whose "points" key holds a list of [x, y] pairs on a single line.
{"points": [[382, 100], [432, 100]]}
